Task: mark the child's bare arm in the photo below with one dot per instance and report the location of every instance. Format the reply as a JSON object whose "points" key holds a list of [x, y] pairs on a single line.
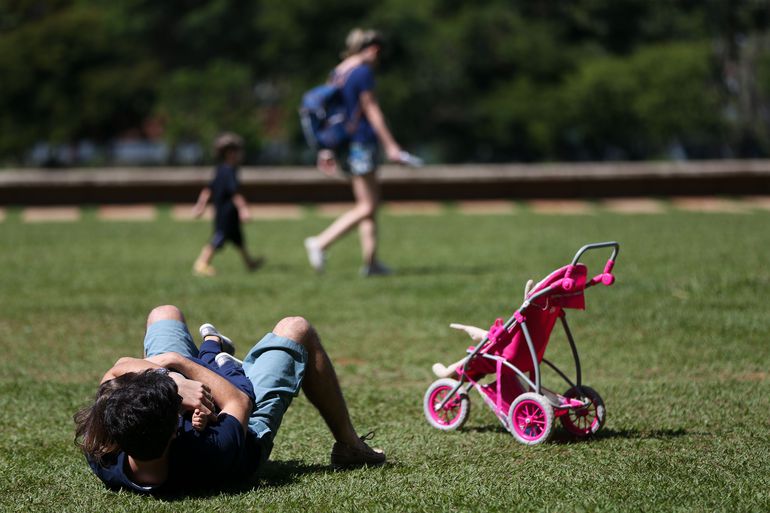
{"points": [[242, 206], [203, 199]]}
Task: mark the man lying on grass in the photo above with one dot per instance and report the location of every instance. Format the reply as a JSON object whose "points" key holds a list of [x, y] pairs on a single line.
{"points": [[184, 419]]}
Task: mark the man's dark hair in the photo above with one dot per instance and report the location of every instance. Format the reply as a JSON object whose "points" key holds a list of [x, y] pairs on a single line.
{"points": [[143, 413]]}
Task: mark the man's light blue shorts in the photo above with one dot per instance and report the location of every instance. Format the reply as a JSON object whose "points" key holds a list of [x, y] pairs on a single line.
{"points": [[169, 336], [275, 366]]}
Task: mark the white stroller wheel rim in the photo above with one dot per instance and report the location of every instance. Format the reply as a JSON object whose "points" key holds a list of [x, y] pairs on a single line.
{"points": [[530, 419], [455, 411], [584, 422]]}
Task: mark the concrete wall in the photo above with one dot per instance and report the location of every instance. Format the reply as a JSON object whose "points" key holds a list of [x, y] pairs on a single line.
{"points": [[292, 184]]}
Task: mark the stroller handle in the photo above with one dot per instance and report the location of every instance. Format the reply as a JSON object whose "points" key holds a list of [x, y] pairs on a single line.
{"points": [[607, 278], [597, 245]]}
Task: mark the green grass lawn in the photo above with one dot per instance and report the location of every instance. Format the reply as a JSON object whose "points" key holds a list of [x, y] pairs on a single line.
{"points": [[678, 348]]}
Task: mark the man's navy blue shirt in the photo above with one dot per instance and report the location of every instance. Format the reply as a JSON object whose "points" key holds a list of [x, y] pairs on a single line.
{"points": [[219, 454]]}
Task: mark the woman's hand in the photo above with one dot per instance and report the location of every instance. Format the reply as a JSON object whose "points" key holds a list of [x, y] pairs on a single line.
{"points": [[326, 162], [393, 153]]}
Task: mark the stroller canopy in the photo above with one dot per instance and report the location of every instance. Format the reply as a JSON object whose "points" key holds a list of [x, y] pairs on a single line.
{"points": [[567, 286]]}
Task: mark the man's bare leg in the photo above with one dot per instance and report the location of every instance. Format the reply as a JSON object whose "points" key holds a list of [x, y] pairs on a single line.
{"points": [[321, 385]]}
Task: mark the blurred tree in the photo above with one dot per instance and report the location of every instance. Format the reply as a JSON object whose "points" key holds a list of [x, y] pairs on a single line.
{"points": [[64, 76], [197, 104], [638, 107], [486, 81]]}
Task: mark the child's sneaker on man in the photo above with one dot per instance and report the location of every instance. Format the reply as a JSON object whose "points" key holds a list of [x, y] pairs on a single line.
{"points": [[208, 329], [223, 358]]}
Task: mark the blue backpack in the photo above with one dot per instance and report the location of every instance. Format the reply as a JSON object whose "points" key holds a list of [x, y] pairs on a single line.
{"points": [[324, 118]]}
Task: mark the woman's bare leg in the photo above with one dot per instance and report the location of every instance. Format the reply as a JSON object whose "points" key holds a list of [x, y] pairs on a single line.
{"points": [[366, 191]]}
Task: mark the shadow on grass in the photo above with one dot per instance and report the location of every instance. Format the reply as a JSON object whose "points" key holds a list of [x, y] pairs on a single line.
{"points": [[560, 436], [440, 270], [271, 474], [490, 428], [281, 473], [652, 434], [563, 437]]}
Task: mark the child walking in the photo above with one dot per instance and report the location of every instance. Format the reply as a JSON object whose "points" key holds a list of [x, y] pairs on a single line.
{"points": [[230, 206]]}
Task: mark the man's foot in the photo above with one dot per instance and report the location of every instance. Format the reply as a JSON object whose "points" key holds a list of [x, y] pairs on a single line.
{"points": [[203, 269], [208, 329], [345, 456], [222, 358], [315, 254], [376, 269]]}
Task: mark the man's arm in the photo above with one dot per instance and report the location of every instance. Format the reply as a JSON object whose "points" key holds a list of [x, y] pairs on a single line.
{"points": [[229, 399], [128, 364], [195, 395]]}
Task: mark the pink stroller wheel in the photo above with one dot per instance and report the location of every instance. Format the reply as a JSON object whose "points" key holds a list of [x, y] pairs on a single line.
{"points": [[584, 422], [530, 419], [454, 413]]}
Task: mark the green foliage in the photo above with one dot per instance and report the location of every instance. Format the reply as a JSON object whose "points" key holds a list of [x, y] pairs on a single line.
{"points": [[643, 103], [65, 78], [677, 348], [496, 80], [199, 104]]}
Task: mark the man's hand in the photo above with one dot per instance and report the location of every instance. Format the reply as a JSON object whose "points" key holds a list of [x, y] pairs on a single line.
{"points": [[196, 397]]}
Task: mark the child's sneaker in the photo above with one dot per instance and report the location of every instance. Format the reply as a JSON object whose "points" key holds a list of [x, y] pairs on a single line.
{"points": [[208, 329], [222, 358], [315, 254]]}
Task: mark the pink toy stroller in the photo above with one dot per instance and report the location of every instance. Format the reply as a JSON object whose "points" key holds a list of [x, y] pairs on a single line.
{"points": [[512, 352]]}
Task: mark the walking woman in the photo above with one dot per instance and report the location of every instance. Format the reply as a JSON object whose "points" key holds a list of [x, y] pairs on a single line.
{"points": [[358, 160]]}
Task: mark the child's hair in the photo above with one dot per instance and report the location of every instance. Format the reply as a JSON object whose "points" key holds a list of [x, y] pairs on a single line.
{"points": [[227, 141], [136, 413], [358, 39]]}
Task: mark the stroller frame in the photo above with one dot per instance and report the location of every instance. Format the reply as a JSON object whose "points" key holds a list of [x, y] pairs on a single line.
{"points": [[543, 405]]}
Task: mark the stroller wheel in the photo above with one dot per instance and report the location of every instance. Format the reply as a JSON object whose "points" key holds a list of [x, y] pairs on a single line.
{"points": [[584, 422], [454, 413], [530, 419]]}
